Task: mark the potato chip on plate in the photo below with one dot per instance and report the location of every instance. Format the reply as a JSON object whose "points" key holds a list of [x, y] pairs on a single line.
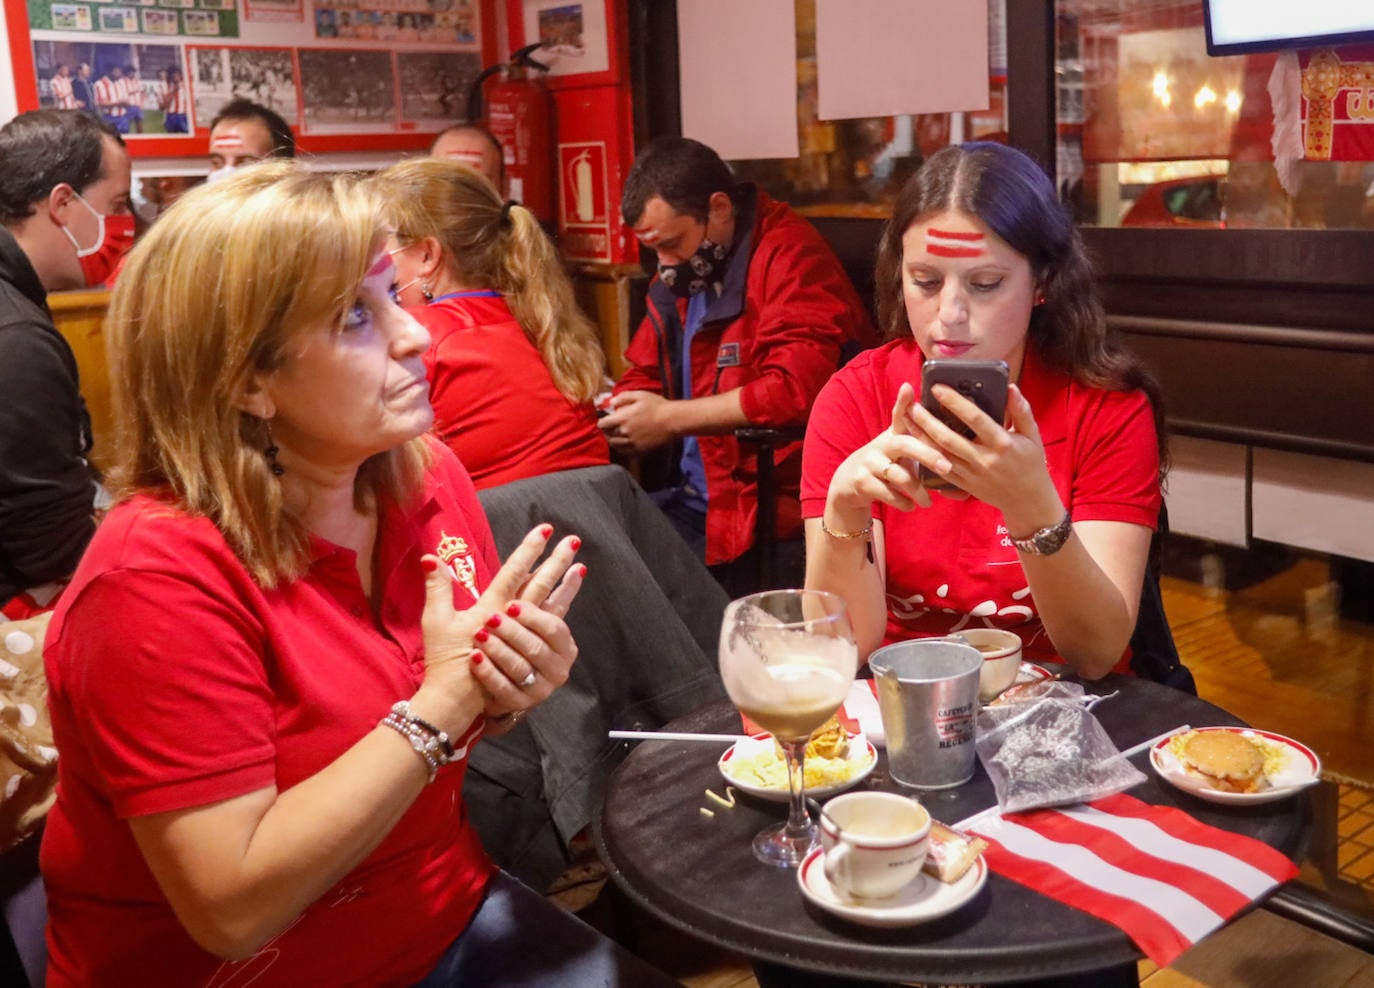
{"points": [[754, 765]]}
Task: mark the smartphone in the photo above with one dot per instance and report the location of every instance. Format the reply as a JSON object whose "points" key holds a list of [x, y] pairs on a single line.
{"points": [[983, 382]]}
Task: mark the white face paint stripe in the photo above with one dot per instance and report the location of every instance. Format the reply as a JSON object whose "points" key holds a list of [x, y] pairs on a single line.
{"points": [[228, 142]]}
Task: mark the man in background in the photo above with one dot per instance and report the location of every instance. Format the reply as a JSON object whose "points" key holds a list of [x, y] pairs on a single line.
{"points": [[64, 223], [748, 316], [110, 101], [131, 86], [244, 132], [176, 104], [64, 97], [82, 90], [475, 146]]}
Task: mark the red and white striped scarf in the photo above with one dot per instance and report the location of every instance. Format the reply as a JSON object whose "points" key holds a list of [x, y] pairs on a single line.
{"points": [[1164, 878]]}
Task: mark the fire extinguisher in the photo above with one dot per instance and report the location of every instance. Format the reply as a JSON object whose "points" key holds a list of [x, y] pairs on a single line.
{"points": [[519, 114]]}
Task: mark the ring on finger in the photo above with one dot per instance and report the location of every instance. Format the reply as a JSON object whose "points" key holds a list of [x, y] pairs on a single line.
{"points": [[883, 473], [528, 681]]}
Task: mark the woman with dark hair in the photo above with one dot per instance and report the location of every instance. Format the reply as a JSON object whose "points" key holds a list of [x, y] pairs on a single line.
{"points": [[1047, 529]]}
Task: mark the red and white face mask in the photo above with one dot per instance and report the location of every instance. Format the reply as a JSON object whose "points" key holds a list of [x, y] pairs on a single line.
{"points": [[114, 237]]}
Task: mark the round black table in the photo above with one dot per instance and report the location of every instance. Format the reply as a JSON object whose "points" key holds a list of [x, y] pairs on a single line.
{"points": [[698, 873]]}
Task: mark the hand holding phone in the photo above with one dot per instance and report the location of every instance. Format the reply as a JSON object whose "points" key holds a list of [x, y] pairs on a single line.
{"points": [[983, 382]]}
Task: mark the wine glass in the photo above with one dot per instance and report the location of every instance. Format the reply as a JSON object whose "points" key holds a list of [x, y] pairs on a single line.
{"points": [[788, 658]]}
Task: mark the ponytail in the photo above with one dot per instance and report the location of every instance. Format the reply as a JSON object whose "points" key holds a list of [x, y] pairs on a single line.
{"points": [[540, 295]]}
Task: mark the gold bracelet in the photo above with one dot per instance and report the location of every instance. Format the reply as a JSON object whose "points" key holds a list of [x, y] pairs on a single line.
{"points": [[866, 533]]}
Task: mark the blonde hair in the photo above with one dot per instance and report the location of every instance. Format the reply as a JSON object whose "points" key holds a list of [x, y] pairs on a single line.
{"points": [[489, 246], [220, 285]]}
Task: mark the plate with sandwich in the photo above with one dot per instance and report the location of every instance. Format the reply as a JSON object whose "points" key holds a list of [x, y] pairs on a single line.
{"points": [[835, 760], [1235, 765]]}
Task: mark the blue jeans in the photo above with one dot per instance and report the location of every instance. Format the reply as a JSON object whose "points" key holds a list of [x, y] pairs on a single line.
{"points": [[518, 938]]}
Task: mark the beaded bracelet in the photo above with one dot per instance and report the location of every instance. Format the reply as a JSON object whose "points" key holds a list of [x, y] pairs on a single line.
{"points": [[430, 743]]}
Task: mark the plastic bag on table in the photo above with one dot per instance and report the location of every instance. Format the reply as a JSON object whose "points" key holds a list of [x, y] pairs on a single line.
{"points": [[1049, 750]]}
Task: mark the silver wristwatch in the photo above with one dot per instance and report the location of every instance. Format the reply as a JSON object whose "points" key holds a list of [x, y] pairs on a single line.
{"points": [[1047, 541]]}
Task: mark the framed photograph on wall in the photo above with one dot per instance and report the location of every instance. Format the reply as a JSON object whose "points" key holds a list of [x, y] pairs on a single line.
{"points": [[267, 76], [578, 37], [338, 97]]}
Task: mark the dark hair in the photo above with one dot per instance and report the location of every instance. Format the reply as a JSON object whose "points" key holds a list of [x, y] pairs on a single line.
{"points": [[283, 141], [41, 150], [477, 128], [1013, 197], [682, 172]]}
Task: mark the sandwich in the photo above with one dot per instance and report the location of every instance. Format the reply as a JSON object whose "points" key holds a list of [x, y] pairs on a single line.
{"points": [[830, 740], [1224, 760]]}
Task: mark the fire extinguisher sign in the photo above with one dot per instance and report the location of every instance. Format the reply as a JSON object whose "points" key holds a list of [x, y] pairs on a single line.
{"points": [[583, 201]]}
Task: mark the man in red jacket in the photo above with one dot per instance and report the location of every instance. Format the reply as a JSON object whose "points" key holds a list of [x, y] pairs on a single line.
{"points": [[747, 318]]}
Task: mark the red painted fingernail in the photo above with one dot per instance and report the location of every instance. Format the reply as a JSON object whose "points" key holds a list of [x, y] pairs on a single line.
{"points": [[477, 656], [576, 543], [546, 530], [582, 569], [482, 635], [513, 610], [429, 565], [494, 621]]}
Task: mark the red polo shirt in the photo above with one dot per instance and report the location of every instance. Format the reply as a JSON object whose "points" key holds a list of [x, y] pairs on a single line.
{"points": [[176, 681], [495, 403], [952, 565]]}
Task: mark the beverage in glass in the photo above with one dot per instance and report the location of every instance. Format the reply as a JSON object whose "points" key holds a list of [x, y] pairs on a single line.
{"points": [[788, 658]]}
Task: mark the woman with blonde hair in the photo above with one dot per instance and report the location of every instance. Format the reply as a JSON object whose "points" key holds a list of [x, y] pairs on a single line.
{"points": [[514, 365], [273, 660]]}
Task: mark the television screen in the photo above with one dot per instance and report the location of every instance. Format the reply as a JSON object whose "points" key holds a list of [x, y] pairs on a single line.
{"points": [[1238, 26]]}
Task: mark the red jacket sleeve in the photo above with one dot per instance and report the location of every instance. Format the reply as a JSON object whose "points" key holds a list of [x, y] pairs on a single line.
{"points": [[642, 355]]}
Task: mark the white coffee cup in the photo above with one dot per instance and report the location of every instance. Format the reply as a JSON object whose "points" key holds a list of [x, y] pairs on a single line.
{"points": [[874, 843], [1001, 659]]}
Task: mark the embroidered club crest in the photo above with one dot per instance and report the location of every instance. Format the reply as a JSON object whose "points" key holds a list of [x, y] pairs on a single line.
{"points": [[456, 555]]}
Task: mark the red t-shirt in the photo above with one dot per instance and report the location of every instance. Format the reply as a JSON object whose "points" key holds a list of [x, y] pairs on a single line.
{"points": [[952, 565], [495, 403], [176, 681]]}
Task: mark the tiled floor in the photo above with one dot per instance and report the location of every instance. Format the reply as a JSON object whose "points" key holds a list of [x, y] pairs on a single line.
{"points": [[1355, 853]]}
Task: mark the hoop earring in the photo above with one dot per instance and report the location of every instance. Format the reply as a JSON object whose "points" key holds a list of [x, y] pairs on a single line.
{"points": [[270, 453], [426, 291]]}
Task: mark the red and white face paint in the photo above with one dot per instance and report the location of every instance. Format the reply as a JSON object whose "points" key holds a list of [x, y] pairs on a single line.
{"points": [[967, 293], [227, 142], [954, 243], [235, 143]]}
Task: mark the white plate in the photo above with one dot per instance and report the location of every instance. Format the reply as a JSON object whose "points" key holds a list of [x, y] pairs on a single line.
{"points": [[1301, 768], [1027, 674], [862, 757], [926, 898], [1031, 673]]}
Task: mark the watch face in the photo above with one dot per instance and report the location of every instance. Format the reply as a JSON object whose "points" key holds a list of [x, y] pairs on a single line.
{"points": [[1047, 542]]}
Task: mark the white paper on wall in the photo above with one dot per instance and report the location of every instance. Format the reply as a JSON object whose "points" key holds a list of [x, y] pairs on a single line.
{"points": [[739, 76], [876, 58]]}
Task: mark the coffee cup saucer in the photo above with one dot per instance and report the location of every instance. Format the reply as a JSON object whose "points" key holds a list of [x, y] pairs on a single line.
{"points": [[925, 898]]}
